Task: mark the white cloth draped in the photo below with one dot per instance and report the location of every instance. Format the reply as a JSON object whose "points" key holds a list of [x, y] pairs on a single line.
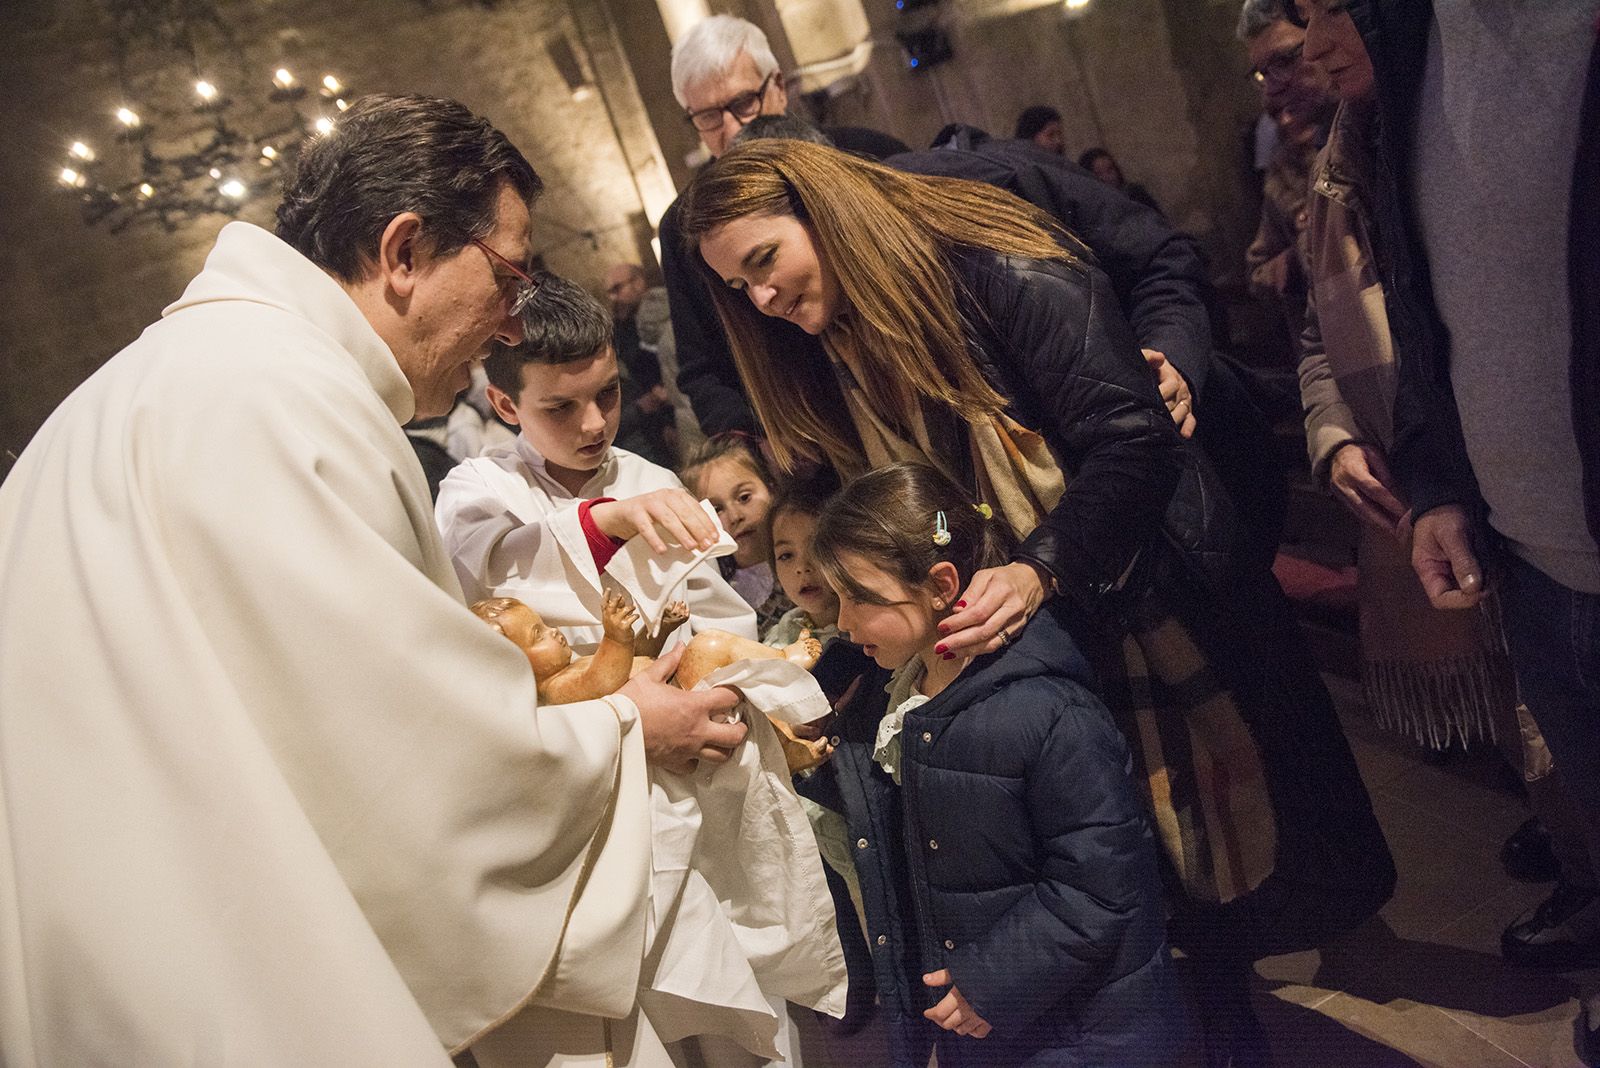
{"points": [[513, 531], [269, 794]]}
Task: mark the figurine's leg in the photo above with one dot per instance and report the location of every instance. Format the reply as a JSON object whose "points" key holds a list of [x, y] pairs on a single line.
{"points": [[713, 649], [805, 651]]}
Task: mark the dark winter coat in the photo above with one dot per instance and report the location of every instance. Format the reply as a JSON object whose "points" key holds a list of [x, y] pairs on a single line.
{"points": [[1056, 348], [1051, 338], [1033, 866], [1161, 282]]}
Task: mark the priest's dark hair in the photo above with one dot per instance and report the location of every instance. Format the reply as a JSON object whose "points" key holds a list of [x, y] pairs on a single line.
{"points": [[563, 323], [392, 154]]}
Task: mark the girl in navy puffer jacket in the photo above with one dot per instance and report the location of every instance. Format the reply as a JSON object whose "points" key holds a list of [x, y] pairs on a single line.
{"points": [[1033, 869]]}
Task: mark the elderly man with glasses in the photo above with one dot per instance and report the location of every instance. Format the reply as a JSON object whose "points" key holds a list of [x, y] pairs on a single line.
{"points": [[269, 793], [724, 75], [1296, 95]]}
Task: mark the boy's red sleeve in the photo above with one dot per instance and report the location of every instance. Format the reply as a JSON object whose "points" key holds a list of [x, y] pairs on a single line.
{"points": [[602, 546]]}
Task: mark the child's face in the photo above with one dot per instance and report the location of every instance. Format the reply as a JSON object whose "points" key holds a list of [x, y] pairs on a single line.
{"points": [[741, 500], [799, 577], [567, 411], [892, 632], [545, 646]]}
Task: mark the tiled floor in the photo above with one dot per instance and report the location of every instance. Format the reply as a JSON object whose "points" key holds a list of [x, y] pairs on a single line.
{"points": [[1424, 983]]}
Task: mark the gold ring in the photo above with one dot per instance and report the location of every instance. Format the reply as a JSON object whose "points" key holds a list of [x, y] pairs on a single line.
{"points": [[1005, 639]]}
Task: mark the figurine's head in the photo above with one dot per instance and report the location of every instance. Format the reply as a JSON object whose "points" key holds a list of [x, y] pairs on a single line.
{"points": [[545, 646]]}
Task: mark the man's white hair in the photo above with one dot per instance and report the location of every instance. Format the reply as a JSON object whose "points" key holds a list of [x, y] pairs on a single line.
{"points": [[1256, 16], [712, 47]]}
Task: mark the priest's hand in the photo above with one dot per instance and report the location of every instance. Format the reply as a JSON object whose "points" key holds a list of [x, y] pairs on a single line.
{"points": [[674, 511], [681, 729]]}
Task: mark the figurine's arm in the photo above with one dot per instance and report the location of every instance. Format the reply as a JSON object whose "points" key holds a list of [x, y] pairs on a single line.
{"points": [[603, 673], [676, 614]]}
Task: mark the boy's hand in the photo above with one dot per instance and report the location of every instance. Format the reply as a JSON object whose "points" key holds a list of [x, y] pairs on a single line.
{"points": [[673, 510], [953, 1013], [617, 616]]}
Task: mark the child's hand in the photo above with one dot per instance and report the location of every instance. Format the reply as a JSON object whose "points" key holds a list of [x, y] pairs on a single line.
{"points": [[953, 1013], [673, 510], [617, 616]]}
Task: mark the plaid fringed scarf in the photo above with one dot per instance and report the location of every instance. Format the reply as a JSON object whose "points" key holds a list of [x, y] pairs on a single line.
{"points": [[1199, 769]]}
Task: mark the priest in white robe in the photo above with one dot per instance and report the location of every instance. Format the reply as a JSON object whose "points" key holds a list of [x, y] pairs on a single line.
{"points": [[269, 793]]}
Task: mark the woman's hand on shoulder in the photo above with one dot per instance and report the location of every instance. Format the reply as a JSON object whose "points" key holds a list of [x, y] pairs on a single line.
{"points": [[993, 609]]}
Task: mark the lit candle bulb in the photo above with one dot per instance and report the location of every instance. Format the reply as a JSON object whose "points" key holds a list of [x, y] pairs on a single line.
{"points": [[70, 177], [268, 152], [331, 84], [324, 125], [342, 104], [146, 190], [233, 189], [205, 90], [127, 117], [283, 78], [82, 151]]}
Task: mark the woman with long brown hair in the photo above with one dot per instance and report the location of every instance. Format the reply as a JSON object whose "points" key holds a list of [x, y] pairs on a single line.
{"points": [[961, 327]]}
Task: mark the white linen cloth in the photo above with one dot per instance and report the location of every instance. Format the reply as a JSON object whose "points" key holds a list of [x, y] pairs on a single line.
{"points": [[740, 911], [269, 793], [513, 531]]}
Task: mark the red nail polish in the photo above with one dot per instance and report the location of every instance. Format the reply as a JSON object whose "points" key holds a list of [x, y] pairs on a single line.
{"points": [[949, 656], [939, 649], [961, 604]]}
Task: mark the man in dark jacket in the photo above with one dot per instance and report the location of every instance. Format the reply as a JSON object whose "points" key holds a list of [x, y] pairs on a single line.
{"points": [[724, 75], [1494, 303]]}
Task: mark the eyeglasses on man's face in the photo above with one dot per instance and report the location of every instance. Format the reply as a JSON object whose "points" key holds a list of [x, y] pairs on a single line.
{"points": [[743, 108], [522, 285], [1280, 68]]}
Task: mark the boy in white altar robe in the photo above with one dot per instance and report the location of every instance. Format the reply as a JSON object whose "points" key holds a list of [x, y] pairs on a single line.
{"points": [[538, 518], [532, 520]]}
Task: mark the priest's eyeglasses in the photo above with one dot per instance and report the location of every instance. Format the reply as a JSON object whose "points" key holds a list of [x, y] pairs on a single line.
{"points": [[525, 285], [743, 108]]}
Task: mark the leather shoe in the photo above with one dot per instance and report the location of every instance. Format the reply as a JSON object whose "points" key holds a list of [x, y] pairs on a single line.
{"points": [[1527, 855], [1562, 932]]}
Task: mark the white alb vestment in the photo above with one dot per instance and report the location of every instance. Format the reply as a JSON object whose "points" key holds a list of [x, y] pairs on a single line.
{"points": [[740, 915], [269, 793], [513, 531]]}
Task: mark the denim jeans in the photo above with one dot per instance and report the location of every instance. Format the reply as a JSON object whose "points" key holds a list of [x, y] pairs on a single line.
{"points": [[1554, 635]]}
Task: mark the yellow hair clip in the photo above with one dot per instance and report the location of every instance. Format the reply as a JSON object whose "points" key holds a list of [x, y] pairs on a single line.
{"points": [[984, 510]]}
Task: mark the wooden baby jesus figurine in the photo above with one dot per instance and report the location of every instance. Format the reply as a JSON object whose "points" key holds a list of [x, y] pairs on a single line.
{"points": [[563, 678]]}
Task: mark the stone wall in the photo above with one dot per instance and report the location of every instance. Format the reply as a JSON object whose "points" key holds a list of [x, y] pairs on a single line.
{"points": [[74, 294], [1158, 82]]}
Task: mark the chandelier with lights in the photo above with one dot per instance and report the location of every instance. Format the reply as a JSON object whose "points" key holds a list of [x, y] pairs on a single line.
{"points": [[209, 165]]}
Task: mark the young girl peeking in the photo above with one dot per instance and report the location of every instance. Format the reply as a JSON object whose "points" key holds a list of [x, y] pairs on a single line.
{"points": [[791, 520], [728, 471], [1032, 869]]}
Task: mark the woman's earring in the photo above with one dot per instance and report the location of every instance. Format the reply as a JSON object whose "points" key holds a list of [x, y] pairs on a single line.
{"points": [[938, 605]]}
